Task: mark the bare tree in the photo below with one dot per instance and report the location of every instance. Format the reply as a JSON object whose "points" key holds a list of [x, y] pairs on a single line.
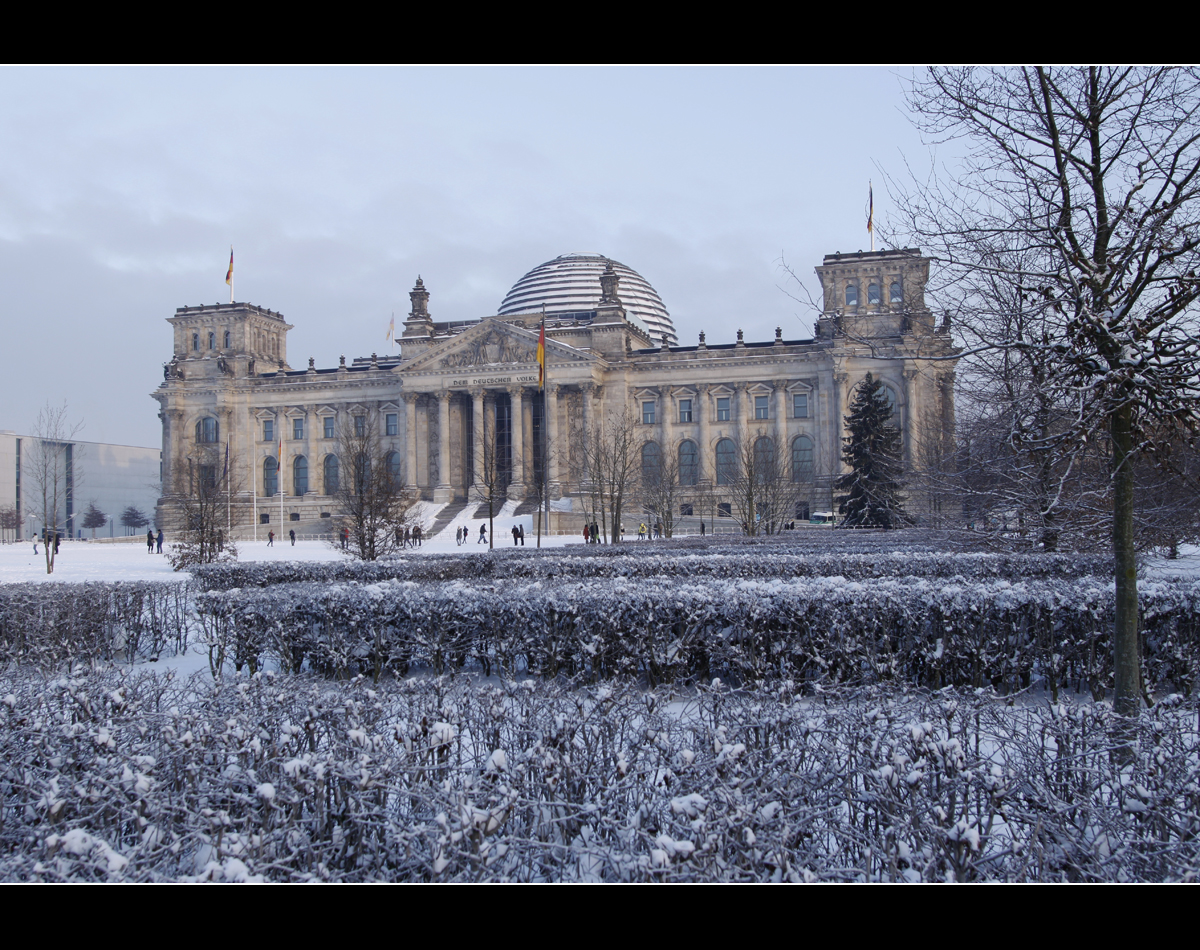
{"points": [[11, 520], [661, 486], [52, 470], [613, 466], [761, 489], [491, 469], [374, 504], [1080, 187], [212, 503]]}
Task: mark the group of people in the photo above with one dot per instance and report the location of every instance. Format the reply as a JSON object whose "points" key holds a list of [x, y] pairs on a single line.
{"points": [[151, 540], [463, 533], [407, 537], [47, 540]]}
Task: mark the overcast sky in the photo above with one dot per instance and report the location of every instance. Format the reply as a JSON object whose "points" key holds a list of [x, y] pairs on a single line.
{"points": [[121, 191]]}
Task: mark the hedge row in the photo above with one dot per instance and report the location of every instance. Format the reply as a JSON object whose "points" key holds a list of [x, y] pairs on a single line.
{"points": [[816, 630], [645, 560]]}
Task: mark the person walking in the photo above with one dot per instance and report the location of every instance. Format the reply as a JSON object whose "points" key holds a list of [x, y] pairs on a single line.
{"points": [[270, 539], [345, 537], [482, 534], [514, 534], [522, 535], [35, 542], [701, 529], [159, 541], [292, 535]]}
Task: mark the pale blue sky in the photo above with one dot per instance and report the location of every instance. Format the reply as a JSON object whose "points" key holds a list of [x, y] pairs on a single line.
{"points": [[122, 189]]}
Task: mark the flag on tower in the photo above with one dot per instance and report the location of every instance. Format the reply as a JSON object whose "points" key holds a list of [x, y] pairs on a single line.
{"points": [[229, 274], [391, 334], [541, 356], [870, 209]]}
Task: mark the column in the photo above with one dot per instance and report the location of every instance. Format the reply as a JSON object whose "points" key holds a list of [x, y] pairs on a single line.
{"points": [[552, 447], [704, 416], [781, 416], [906, 417], [516, 488], [741, 397], [477, 435], [410, 439], [315, 471], [443, 492]]}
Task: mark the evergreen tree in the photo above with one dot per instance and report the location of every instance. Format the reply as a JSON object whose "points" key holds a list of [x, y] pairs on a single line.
{"points": [[871, 489], [133, 518], [94, 518]]}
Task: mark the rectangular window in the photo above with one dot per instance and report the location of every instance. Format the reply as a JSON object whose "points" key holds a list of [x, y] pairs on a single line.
{"points": [[722, 409], [264, 518], [268, 430], [648, 413], [725, 510], [391, 423], [760, 407], [328, 420], [800, 405], [685, 511], [297, 429], [360, 425], [685, 410], [294, 516]]}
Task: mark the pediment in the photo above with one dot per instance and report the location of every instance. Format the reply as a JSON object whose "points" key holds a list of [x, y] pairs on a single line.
{"points": [[492, 343]]}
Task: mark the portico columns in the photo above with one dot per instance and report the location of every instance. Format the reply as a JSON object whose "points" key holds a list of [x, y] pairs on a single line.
{"points": [[551, 420], [410, 440], [516, 488], [443, 492], [477, 436]]}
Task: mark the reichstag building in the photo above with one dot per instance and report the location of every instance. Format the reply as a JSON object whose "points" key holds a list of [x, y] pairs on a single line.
{"points": [[611, 351]]}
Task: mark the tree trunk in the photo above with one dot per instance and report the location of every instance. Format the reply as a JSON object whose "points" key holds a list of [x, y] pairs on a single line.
{"points": [[1127, 694]]}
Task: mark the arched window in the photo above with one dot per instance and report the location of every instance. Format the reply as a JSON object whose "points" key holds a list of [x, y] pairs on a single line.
{"points": [[873, 293], [300, 475], [764, 459], [270, 477], [689, 463], [226, 339], [651, 463], [212, 340], [897, 294], [208, 430], [331, 474], [395, 466], [852, 295], [196, 342], [802, 459], [726, 462]]}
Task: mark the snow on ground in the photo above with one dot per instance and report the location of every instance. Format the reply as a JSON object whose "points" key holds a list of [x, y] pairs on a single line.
{"points": [[79, 561]]}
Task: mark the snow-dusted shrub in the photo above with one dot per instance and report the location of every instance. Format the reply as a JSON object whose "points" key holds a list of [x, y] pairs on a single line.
{"points": [[49, 625], [816, 630], [108, 777], [634, 560]]}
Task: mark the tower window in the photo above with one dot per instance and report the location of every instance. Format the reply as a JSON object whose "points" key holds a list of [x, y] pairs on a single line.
{"points": [[226, 339], [873, 293], [195, 342], [852, 295], [212, 340], [896, 293]]}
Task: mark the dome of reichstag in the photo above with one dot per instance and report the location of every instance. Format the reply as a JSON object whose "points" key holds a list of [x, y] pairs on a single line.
{"points": [[571, 283]]}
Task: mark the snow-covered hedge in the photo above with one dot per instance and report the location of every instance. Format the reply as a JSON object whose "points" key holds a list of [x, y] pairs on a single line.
{"points": [[932, 632], [657, 560], [49, 625], [292, 779]]}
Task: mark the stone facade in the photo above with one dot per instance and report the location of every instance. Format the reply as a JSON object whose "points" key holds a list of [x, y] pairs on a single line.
{"points": [[229, 383]]}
